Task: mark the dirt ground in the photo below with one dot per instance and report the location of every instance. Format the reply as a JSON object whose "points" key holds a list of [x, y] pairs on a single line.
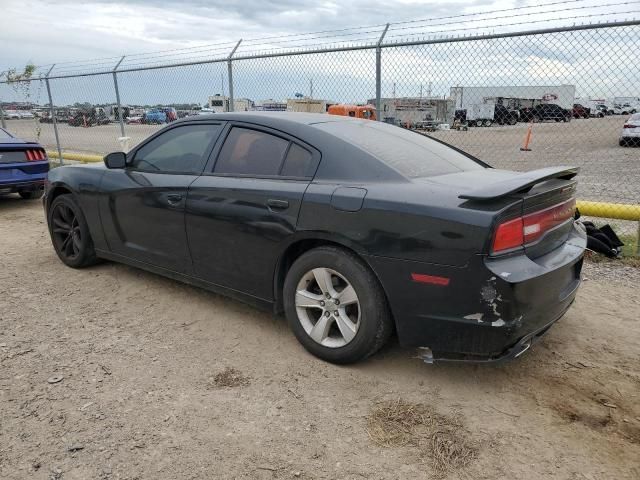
{"points": [[114, 373]]}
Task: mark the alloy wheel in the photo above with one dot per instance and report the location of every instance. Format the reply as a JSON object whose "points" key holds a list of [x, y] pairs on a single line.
{"points": [[328, 307], [66, 231]]}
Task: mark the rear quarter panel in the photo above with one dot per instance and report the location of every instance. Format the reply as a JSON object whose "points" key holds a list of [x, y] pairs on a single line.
{"points": [[403, 221]]}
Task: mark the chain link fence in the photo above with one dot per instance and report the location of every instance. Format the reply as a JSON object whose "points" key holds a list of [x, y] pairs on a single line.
{"points": [[518, 101]]}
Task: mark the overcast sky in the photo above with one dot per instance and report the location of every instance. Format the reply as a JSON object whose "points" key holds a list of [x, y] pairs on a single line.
{"points": [[46, 32]]}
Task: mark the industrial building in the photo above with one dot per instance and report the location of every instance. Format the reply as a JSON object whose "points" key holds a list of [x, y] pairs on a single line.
{"points": [[307, 104], [220, 103]]}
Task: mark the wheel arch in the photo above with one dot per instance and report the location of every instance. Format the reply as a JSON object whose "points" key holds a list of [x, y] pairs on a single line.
{"points": [[55, 191], [303, 244]]}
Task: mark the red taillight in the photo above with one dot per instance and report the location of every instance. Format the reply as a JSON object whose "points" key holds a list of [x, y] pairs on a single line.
{"points": [[529, 228], [508, 235], [536, 224], [628, 125], [35, 155]]}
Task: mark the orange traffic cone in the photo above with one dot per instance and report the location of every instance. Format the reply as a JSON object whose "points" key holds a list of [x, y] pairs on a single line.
{"points": [[527, 139]]}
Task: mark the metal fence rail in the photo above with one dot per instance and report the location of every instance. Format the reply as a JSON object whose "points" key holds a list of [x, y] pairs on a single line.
{"points": [[520, 99]]}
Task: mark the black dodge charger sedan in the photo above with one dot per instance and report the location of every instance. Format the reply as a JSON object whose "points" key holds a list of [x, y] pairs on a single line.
{"points": [[353, 228]]}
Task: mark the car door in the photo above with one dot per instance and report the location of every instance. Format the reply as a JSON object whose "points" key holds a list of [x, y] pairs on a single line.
{"points": [[245, 206], [142, 206]]}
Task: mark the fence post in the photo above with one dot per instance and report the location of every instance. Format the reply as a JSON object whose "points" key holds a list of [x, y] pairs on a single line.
{"points": [[230, 71], [52, 112], [379, 72], [2, 120], [115, 84]]}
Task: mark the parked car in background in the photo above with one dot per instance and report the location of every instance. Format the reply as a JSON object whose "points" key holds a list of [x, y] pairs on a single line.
{"points": [[630, 131], [25, 114], [353, 228], [63, 115], [544, 112], [23, 166], [624, 109], [11, 115], [580, 111], [599, 111], [89, 118], [502, 115], [155, 117], [487, 115], [138, 119]]}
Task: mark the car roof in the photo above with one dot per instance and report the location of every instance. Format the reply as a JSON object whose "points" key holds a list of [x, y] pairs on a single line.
{"points": [[273, 119]]}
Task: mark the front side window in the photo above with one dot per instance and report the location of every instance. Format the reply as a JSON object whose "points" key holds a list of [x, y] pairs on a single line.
{"points": [[251, 152], [179, 150]]}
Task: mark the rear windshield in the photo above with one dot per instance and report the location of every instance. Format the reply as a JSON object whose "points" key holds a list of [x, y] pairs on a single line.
{"points": [[4, 134], [410, 153], [635, 116]]}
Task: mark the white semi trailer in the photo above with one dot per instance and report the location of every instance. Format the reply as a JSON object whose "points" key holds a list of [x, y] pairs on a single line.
{"points": [[514, 97]]}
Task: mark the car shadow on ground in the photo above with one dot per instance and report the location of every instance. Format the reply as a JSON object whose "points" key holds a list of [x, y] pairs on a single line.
{"points": [[12, 201]]}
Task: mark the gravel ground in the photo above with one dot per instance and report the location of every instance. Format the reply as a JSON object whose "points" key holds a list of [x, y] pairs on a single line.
{"points": [[114, 373]]}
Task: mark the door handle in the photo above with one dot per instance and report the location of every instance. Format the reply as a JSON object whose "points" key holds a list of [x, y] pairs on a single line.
{"points": [[174, 199], [277, 204]]}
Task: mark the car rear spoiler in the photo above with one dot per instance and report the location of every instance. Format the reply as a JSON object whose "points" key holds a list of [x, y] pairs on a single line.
{"points": [[519, 183]]}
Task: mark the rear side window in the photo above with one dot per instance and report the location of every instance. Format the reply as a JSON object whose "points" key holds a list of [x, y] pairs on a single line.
{"points": [[179, 150], [251, 152], [299, 163], [410, 153], [4, 134]]}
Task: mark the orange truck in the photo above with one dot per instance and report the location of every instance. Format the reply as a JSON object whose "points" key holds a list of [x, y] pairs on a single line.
{"points": [[367, 112]]}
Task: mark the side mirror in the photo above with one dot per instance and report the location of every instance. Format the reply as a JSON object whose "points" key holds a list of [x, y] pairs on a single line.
{"points": [[116, 160]]}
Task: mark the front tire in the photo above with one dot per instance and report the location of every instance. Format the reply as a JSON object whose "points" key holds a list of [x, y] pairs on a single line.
{"points": [[335, 306], [70, 233]]}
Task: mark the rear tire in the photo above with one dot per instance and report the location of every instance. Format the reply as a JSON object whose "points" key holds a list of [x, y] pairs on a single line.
{"points": [[339, 333], [31, 194], [70, 233]]}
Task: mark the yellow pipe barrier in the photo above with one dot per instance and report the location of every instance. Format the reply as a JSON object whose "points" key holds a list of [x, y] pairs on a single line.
{"points": [[619, 211], [80, 157]]}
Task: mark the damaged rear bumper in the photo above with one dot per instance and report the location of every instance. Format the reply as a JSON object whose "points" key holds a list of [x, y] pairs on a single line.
{"points": [[492, 310]]}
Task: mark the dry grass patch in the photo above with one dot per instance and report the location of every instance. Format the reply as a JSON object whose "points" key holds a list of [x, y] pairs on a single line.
{"points": [[442, 440], [230, 377]]}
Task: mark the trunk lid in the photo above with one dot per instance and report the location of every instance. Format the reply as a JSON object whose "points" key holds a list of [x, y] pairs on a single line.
{"points": [[544, 199]]}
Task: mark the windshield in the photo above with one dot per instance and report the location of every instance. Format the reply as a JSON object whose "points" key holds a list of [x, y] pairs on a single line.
{"points": [[411, 154]]}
